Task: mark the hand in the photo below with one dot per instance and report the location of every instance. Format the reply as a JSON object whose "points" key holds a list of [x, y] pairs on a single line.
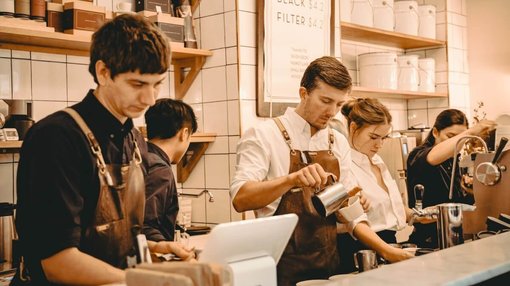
{"points": [[165, 247], [365, 202], [430, 217], [393, 254], [312, 176]]}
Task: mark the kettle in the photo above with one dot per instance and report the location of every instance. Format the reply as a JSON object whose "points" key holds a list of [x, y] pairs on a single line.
{"points": [[7, 232]]}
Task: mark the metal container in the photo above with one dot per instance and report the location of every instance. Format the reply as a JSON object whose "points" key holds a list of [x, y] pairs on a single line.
{"points": [[330, 199], [449, 225], [365, 260]]}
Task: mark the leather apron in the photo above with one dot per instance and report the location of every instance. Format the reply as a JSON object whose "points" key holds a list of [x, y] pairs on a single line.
{"points": [[118, 217], [312, 250]]}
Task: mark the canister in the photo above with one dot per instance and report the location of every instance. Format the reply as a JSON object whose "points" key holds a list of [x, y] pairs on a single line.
{"points": [[38, 10], [345, 10], [362, 13], [7, 8], [378, 70], [384, 17], [22, 9], [408, 76], [406, 17], [427, 26], [427, 72]]}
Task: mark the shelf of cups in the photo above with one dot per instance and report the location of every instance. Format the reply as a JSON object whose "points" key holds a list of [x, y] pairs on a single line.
{"points": [[360, 91], [359, 33]]}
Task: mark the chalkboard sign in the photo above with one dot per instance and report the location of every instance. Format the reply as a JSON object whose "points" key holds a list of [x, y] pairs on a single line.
{"points": [[290, 34]]}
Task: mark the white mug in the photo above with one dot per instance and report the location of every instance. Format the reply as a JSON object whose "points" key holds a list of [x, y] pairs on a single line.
{"points": [[124, 6]]}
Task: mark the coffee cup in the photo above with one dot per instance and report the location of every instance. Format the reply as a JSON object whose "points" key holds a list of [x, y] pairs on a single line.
{"points": [[124, 6], [365, 260], [353, 210]]}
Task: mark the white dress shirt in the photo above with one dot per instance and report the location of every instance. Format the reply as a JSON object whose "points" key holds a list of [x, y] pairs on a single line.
{"points": [[262, 153], [386, 208]]}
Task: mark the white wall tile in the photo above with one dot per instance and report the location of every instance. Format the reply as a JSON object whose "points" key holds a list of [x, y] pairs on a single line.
{"points": [[194, 94], [454, 6], [232, 165], [432, 114], [455, 34], [441, 32], [49, 81], [247, 5], [232, 144], [41, 109], [441, 77], [232, 82], [440, 4], [455, 60], [399, 119], [7, 189], [457, 19], [231, 55], [20, 54], [416, 117], [233, 117], [214, 84], [349, 56], [219, 146], [78, 60], [21, 81], [439, 55], [199, 113], [248, 29], [196, 179], [217, 59], [164, 90], [48, 57], [229, 5], [247, 56], [211, 32], [417, 104], [5, 53], [106, 3], [247, 78], [440, 18], [79, 81], [215, 118], [211, 7], [5, 78], [438, 103], [6, 158], [230, 29], [197, 204], [217, 171], [219, 210]]}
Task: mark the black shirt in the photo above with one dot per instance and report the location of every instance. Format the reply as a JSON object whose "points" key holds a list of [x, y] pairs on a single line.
{"points": [[57, 181], [161, 205]]}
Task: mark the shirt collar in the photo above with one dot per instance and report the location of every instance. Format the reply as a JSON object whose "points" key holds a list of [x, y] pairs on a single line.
{"points": [[297, 121], [361, 159], [99, 119], [153, 148]]}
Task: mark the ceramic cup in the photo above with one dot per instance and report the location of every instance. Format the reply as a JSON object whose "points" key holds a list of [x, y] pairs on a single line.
{"points": [[353, 211], [124, 7]]}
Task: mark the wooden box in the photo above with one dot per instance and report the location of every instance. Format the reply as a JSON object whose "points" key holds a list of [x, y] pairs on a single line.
{"points": [[54, 16], [173, 27], [80, 15], [150, 5]]}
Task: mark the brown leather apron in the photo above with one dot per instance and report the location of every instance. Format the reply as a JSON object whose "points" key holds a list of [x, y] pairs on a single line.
{"points": [[312, 250], [120, 206]]}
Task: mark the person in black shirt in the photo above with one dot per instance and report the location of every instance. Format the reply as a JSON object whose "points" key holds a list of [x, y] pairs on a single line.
{"points": [[170, 124], [81, 197], [430, 165]]}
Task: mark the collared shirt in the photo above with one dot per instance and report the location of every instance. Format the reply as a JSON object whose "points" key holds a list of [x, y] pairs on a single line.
{"points": [[161, 204], [262, 153], [386, 208], [57, 182]]}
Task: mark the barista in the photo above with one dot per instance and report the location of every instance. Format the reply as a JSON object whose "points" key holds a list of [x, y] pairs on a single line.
{"points": [[430, 165], [281, 162]]}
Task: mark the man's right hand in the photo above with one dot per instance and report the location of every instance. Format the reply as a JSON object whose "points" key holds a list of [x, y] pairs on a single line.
{"points": [[312, 176]]}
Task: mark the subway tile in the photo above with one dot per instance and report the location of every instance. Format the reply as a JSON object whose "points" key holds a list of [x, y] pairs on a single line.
{"points": [[49, 81], [7, 179], [438, 103], [5, 78], [247, 55], [219, 210], [197, 177], [349, 56], [48, 57], [354, 76], [232, 82], [455, 60], [248, 115], [399, 119], [219, 146], [164, 89], [21, 80], [455, 37], [229, 5], [194, 94], [432, 113], [79, 81], [233, 117], [6, 158], [441, 77], [198, 213], [247, 5], [215, 118], [440, 4], [217, 59], [247, 78], [416, 104], [231, 55], [199, 113], [417, 117], [441, 32], [5, 53], [454, 6], [20, 54], [247, 29], [41, 109], [106, 3], [171, 79], [196, 26], [78, 60], [212, 29], [211, 7], [232, 159], [230, 29], [214, 84], [440, 18], [464, 7], [232, 144], [442, 88], [439, 55], [217, 171], [458, 20]]}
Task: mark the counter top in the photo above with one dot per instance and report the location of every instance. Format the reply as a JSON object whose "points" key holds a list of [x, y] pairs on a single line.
{"points": [[465, 264]]}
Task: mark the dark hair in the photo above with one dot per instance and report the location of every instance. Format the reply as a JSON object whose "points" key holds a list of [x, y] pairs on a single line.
{"points": [[445, 119], [365, 111], [165, 118], [130, 43], [328, 69]]}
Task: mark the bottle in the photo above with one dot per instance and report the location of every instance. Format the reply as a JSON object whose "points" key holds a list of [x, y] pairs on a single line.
{"points": [[38, 10], [7, 8], [22, 9]]}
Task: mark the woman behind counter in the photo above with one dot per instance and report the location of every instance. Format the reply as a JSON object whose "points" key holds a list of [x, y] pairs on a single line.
{"points": [[430, 165]]}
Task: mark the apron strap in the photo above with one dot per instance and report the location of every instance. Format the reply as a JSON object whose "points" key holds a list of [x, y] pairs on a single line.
{"points": [[285, 134], [94, 145], [331, 139]]}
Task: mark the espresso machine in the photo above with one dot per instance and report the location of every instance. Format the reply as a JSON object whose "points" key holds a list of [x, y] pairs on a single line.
{"points": [[18, 117]]}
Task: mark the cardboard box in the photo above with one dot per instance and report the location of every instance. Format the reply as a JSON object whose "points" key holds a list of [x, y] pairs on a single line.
{"points": [[55, 16], [80, 15], [173, 27], [150, 5]]}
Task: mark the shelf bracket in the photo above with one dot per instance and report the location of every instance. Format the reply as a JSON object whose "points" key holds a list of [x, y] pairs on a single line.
{"points": [[190, 160], [185, 72]]}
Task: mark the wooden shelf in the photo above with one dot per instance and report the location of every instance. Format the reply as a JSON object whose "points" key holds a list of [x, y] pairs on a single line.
{"points": [[197, 147], [359, 91], [354, 32], [9, 147], [187, 62]]}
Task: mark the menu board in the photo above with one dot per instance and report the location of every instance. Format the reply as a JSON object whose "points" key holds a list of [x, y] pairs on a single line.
{"points": [[294, 33]]}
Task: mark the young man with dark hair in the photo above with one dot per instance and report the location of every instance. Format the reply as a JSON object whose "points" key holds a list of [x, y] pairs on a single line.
{"points": [[80, 183], [170, 124]]}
